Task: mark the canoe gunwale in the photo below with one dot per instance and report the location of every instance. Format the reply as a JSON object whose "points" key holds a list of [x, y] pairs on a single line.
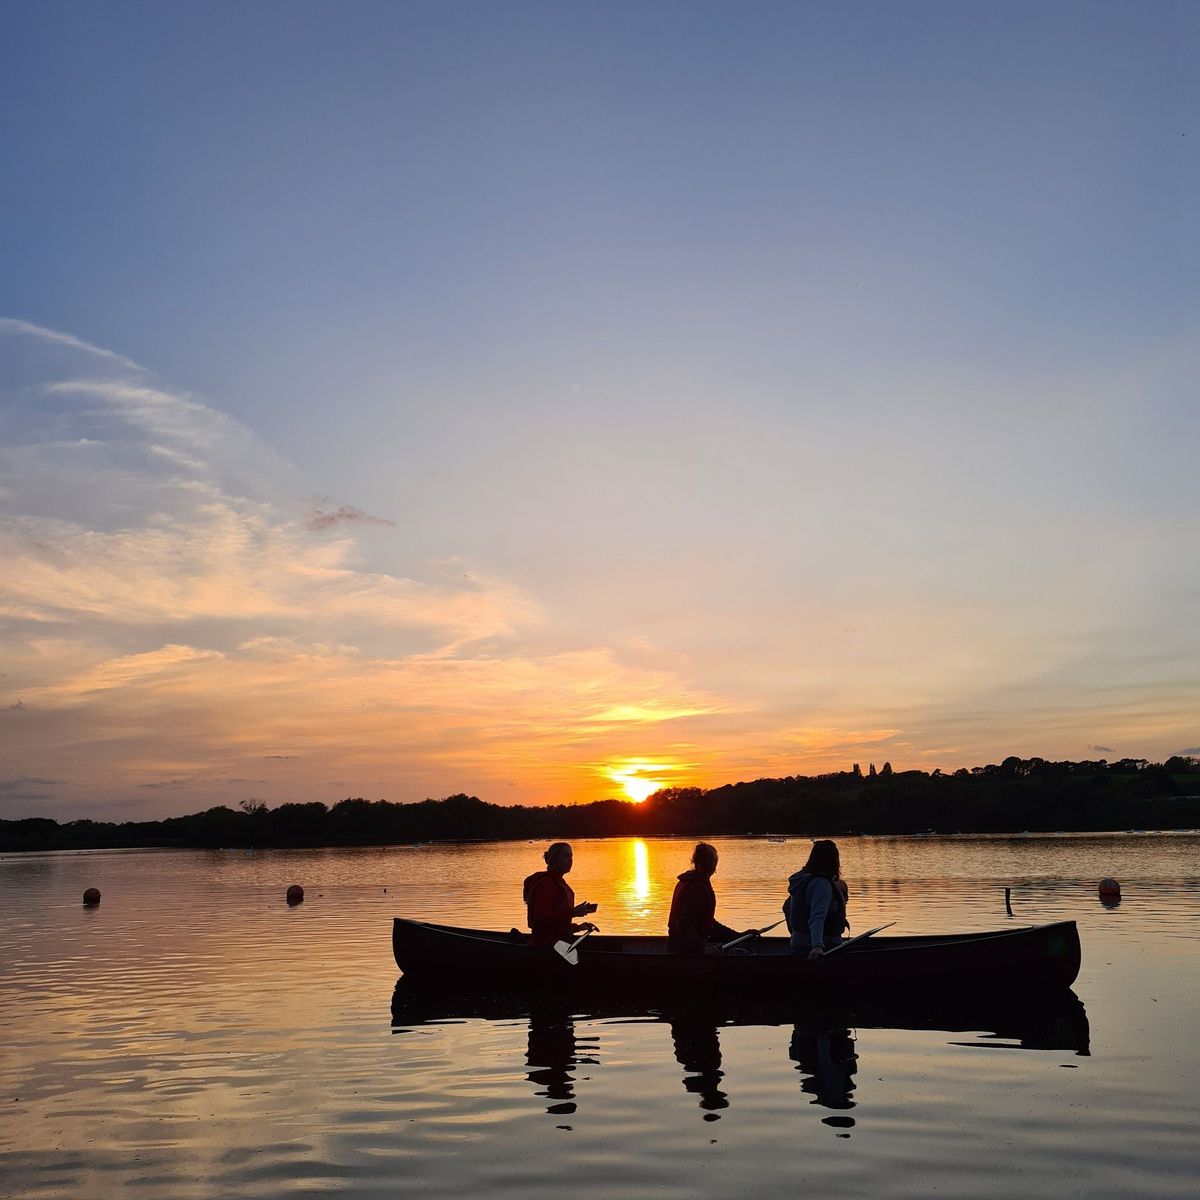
{"points": [[1027, 956], [598, 945]]}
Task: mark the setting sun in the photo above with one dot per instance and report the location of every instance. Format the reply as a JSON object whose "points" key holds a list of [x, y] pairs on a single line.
{"points": [[638, 789], [633, 778]]}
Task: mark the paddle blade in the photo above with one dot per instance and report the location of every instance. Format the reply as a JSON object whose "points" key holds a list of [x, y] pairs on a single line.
{"points": [[860, 937], [567, 951]]}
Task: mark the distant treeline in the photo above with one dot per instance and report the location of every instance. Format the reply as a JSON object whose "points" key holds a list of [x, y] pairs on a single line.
{"points": [[1016, 795]]}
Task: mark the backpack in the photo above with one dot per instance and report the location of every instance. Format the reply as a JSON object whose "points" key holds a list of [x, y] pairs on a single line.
{"points": [[527, 890], [803, 925], [787, 906]]}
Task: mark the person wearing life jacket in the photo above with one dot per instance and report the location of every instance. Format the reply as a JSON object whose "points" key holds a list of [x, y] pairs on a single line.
{"points": [[692, 924], [550, 903], [816, 903]]}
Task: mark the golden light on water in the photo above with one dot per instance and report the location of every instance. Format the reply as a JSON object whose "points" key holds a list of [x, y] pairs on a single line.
{"points": [[641, 870]]}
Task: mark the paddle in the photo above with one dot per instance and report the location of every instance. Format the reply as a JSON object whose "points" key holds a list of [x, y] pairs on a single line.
{"points": [[737, 941], [857, 938], [569, 951]]}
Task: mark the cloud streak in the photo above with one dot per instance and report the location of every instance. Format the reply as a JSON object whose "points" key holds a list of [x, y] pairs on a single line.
{"points": [[175, 613], [170, 619], [320, 519], [10, 325]]}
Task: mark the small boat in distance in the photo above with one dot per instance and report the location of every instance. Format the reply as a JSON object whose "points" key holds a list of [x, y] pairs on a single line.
{"points": [[1009, 961]]}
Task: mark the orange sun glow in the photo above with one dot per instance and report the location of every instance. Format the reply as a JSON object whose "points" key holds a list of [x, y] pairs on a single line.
{"points": [[637, 786]]}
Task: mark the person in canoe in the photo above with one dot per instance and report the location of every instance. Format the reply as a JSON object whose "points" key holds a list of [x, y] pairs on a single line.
{"points": [[550, 902], [816, 903], [692, 927]]}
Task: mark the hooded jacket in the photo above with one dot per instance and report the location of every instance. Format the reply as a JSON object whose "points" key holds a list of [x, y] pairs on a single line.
{"points": [[815, 911], [693, 921]]}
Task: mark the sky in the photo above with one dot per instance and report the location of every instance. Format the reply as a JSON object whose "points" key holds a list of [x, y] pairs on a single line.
{"points": [[551, 402]]}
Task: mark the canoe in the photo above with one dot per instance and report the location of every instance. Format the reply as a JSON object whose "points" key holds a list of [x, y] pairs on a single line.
{"points": [[1009, 960], [1042, 1019]]}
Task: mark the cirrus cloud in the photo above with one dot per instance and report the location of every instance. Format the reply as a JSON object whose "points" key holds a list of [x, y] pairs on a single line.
{"points": [[169, 618]]}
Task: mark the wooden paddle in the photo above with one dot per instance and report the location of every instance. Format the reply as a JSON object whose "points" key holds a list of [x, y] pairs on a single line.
{"points": [[737, 941], [857, 938], [569, 950]]}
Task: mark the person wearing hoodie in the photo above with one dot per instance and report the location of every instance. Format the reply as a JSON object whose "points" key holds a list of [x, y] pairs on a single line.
{"points": [[692, 923], [816, 903], [550, 902]]}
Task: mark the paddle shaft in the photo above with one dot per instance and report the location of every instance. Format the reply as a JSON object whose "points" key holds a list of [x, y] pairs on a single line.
{"points": [[587, 933], [737, 941], [858, 938]]}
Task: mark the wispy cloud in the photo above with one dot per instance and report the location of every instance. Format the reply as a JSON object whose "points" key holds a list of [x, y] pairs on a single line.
{"points": [[171, 622], [27, 787], [1102, 749], [324, 519], [10, 325], [171, 615]]}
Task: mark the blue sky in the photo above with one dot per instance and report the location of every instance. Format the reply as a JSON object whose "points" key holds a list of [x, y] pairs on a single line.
{"points": [[714, 391]]}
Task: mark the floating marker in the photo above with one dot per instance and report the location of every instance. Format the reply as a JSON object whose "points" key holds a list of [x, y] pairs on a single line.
{"points": [[295, 894], [91, 898], [1109, 888]]}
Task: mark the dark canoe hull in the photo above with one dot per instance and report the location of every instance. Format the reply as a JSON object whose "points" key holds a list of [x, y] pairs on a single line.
{"points": [[1009, 961], [1037, 1019]]}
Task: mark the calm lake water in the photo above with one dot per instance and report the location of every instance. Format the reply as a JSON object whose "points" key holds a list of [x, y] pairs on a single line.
{"points": [[196, 1037]]}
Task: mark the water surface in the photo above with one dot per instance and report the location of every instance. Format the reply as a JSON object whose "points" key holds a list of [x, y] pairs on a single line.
{"points": [[194, 1036]]}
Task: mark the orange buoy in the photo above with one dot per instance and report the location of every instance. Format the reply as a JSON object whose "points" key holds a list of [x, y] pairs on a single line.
{"points": [[295, 894], [91, 897], [1109, 887]]}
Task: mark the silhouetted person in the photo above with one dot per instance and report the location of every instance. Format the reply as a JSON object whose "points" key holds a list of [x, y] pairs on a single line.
{"points": [[553, 1051], [816, 903], [692, 923], [827, 1057], [550, 902], [698, 1051]]}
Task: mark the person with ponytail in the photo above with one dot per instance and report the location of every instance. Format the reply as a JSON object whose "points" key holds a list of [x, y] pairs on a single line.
{"points": [[550, 903], [692, 927]]}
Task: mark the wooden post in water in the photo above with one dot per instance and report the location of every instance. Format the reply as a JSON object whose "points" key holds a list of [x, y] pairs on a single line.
{"points": [[1008, 901]]}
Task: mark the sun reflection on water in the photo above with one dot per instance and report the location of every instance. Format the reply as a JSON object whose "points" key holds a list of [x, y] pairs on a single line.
{"points": [[641, 870]]}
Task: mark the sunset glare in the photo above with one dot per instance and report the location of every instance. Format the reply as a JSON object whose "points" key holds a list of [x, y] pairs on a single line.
{"points": [[636, 779], [639, 789]]}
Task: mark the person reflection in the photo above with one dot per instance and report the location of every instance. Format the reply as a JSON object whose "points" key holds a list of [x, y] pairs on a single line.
{"points": [[698, 1051], [827, 1059], [553, 1051]]}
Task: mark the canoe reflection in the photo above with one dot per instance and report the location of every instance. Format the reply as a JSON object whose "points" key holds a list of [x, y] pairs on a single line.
{"points": [[821, 1044]]}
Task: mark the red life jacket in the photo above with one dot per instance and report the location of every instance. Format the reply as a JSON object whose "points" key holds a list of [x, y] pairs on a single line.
{"points": [[549, 907]]}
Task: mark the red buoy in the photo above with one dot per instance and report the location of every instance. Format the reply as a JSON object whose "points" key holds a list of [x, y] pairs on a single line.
{"points": [[91, 897], [295, 894], [1109, 887]]}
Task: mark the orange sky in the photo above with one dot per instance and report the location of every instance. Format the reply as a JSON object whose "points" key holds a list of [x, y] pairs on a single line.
{"points": [[184, 630]]}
